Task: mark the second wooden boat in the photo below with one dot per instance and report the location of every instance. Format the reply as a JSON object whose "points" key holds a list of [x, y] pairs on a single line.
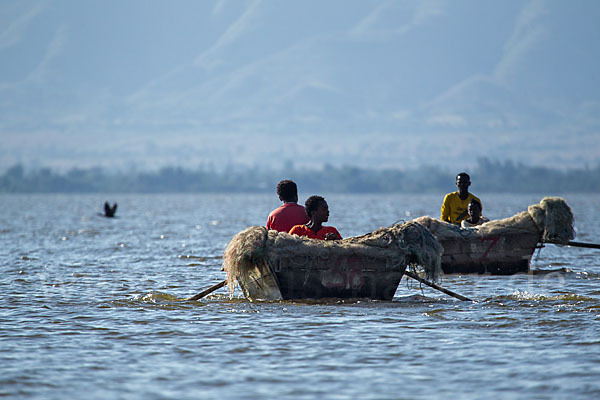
{"points": [[505, 246]]}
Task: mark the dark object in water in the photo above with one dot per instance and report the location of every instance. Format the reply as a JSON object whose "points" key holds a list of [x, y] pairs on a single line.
{"points": [[109, 211]]}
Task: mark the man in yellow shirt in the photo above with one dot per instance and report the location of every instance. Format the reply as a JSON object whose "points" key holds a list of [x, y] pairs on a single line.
{"points": [[456, 204]]}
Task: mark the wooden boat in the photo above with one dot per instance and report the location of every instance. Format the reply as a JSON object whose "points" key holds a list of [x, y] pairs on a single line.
{"points": [[502, 247], [270, 265], [467, 251]]}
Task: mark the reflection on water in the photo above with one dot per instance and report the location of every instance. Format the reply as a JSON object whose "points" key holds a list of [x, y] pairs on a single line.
{"points": [[94, 307]]}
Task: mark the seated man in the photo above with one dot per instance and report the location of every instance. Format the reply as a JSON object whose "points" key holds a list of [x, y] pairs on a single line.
{"points": [[475, 218], [283, 218], [454, 208], [318, 212]]}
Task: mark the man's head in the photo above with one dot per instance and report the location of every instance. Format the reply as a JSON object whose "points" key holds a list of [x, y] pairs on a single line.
{"points": [[317, 207], [287, 191], [463, 181], [474, 209]]}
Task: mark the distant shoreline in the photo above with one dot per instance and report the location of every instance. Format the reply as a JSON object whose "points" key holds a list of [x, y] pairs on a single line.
{"points": [[487, 176]]}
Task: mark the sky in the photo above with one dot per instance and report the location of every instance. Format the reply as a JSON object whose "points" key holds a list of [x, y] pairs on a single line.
{"points": [[377, 84]]}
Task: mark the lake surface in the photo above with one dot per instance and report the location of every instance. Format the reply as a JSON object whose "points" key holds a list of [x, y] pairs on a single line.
{"points": [[93, 308]]}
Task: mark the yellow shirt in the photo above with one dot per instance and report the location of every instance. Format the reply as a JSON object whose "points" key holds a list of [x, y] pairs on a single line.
{"points": [[454, 210]]}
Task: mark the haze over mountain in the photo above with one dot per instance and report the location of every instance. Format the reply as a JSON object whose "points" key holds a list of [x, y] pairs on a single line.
{"points": [[145, 84]]}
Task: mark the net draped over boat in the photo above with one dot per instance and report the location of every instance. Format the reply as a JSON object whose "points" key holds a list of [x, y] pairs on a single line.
{"points": [[409, 244], [551, 219]]}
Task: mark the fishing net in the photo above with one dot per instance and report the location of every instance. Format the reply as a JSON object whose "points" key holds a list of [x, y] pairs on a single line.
{"points": [[554, 218], [551, 219], [408, 243]]}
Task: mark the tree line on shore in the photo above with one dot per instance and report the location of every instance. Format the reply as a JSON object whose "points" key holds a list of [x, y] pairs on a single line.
{"points": [[487, 176]]}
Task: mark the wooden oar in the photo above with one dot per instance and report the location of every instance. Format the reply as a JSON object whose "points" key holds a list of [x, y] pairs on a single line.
{"points": [[407, 273], [437, 287], [208, 291], [588, 245]]}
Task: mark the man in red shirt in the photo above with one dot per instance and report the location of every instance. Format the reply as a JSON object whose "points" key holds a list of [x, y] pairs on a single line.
{"points": [[318, 211], [283, 218]]}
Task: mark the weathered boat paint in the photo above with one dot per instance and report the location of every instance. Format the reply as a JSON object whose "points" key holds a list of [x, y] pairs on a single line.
{"points": [[497, 255], [315, 278]]}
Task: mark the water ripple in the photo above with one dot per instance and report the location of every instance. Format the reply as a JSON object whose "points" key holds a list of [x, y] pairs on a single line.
{"points": [[103, 313]]}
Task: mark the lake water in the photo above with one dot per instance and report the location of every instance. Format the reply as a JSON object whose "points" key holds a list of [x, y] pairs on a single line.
{"points": [[92, 308]]}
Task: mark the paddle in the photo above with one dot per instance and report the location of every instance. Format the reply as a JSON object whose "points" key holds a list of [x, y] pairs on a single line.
{"points": [[433, 285], [208, 291], [588, 245], [407, 273]]}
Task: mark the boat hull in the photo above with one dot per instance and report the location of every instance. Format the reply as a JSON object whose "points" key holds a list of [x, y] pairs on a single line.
{"points": [[496, 255], [501, 247], [340, 277]]}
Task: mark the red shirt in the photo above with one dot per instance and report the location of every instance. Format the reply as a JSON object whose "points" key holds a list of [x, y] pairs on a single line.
{"points": [[283, 218], [303, 230]]}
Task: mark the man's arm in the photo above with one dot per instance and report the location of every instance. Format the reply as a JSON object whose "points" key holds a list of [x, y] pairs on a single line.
{"points": [[445, 214], [333, 234], [479, 200]]}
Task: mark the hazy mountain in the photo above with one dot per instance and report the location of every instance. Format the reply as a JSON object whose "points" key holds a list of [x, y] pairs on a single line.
{"points": [[371, 83]]}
